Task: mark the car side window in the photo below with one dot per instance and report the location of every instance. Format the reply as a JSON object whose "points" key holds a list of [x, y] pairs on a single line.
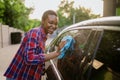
{"points": [[80, 36], [69, 66], [108, 54]]}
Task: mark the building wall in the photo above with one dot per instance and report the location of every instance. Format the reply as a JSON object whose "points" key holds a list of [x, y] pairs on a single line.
{"points": [[5, 35]]}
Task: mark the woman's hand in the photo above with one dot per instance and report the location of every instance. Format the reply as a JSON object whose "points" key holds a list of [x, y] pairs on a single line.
{"points": [[60, 46], [56, 53]]}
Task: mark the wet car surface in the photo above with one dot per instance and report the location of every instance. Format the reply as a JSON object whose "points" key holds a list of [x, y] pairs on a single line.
{"points": [[96, 54]]}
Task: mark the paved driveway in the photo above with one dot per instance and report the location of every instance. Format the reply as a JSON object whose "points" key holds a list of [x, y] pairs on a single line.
{"points": [[6, 55]]}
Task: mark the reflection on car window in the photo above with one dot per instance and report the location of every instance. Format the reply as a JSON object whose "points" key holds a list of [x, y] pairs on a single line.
{"points": [[108, 54], [110, 49], [69, 66], [81, 37]]}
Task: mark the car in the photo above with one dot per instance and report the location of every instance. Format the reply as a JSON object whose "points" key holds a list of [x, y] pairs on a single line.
{"points": [[96, 55]]}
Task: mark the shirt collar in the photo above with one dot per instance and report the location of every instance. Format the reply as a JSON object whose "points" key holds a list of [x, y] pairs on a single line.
{"points": [[44, 35]]}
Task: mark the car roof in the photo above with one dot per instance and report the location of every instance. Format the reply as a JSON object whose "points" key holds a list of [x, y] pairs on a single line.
{"points": [[103, 22], [112, 20]]}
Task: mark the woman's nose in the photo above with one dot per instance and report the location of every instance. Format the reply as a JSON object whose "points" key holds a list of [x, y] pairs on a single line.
{"points": [[54, 26]]}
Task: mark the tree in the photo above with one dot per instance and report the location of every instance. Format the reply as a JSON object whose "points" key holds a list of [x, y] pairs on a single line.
{"points": [[62, 19], [14, 13], [1, 10], [64, 12], [118, 11], [69, 15], [32, 23]]}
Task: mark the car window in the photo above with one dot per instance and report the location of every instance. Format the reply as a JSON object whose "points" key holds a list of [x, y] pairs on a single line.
{"points": [[81, 37], [71, 67], [90, 51], [108, 54]]}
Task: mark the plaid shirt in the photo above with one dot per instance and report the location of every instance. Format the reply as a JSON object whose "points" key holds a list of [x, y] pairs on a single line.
{"points": [[29, 63]]}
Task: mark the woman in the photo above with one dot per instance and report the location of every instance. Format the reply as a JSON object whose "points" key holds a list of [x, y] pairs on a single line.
{"points": [[29, 61]]}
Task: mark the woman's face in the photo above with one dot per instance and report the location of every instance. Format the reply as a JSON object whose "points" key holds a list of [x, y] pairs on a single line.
{"points": [[50, 24]]}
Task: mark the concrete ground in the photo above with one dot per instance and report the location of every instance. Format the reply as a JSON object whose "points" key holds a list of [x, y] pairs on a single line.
{"points": [[6, 55]]}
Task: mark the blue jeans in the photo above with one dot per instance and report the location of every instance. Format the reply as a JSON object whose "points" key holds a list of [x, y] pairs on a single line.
{"points": [[9, 79]]}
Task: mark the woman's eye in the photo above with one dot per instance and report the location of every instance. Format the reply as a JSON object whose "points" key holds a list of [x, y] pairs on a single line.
{"points": [[50, 22]]}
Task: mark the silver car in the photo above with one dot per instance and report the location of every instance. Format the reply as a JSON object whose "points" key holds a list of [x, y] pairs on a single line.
{"points": [[96, 54]]}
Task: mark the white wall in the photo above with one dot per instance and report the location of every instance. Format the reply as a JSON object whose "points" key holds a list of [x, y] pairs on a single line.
{"points": [[5, 35]]}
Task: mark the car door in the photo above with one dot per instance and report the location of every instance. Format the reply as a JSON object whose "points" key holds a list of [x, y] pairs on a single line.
{"points": [[75, 65]]}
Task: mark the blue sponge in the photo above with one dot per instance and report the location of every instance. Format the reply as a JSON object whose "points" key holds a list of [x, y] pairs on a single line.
{"points": [[69, 45]]}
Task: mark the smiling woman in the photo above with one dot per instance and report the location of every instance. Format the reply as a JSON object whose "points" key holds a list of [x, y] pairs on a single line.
{"points": [[29, 61]]}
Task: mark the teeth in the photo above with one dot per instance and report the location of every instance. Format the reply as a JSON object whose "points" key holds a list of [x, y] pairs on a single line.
{"points": [[51, 29]]}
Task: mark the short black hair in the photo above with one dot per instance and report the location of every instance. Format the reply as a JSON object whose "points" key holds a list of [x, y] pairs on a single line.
{"points": [[48, 12]]}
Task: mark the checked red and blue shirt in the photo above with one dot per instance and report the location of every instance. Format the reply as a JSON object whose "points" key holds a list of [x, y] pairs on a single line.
{"points": [[29, 61]]}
